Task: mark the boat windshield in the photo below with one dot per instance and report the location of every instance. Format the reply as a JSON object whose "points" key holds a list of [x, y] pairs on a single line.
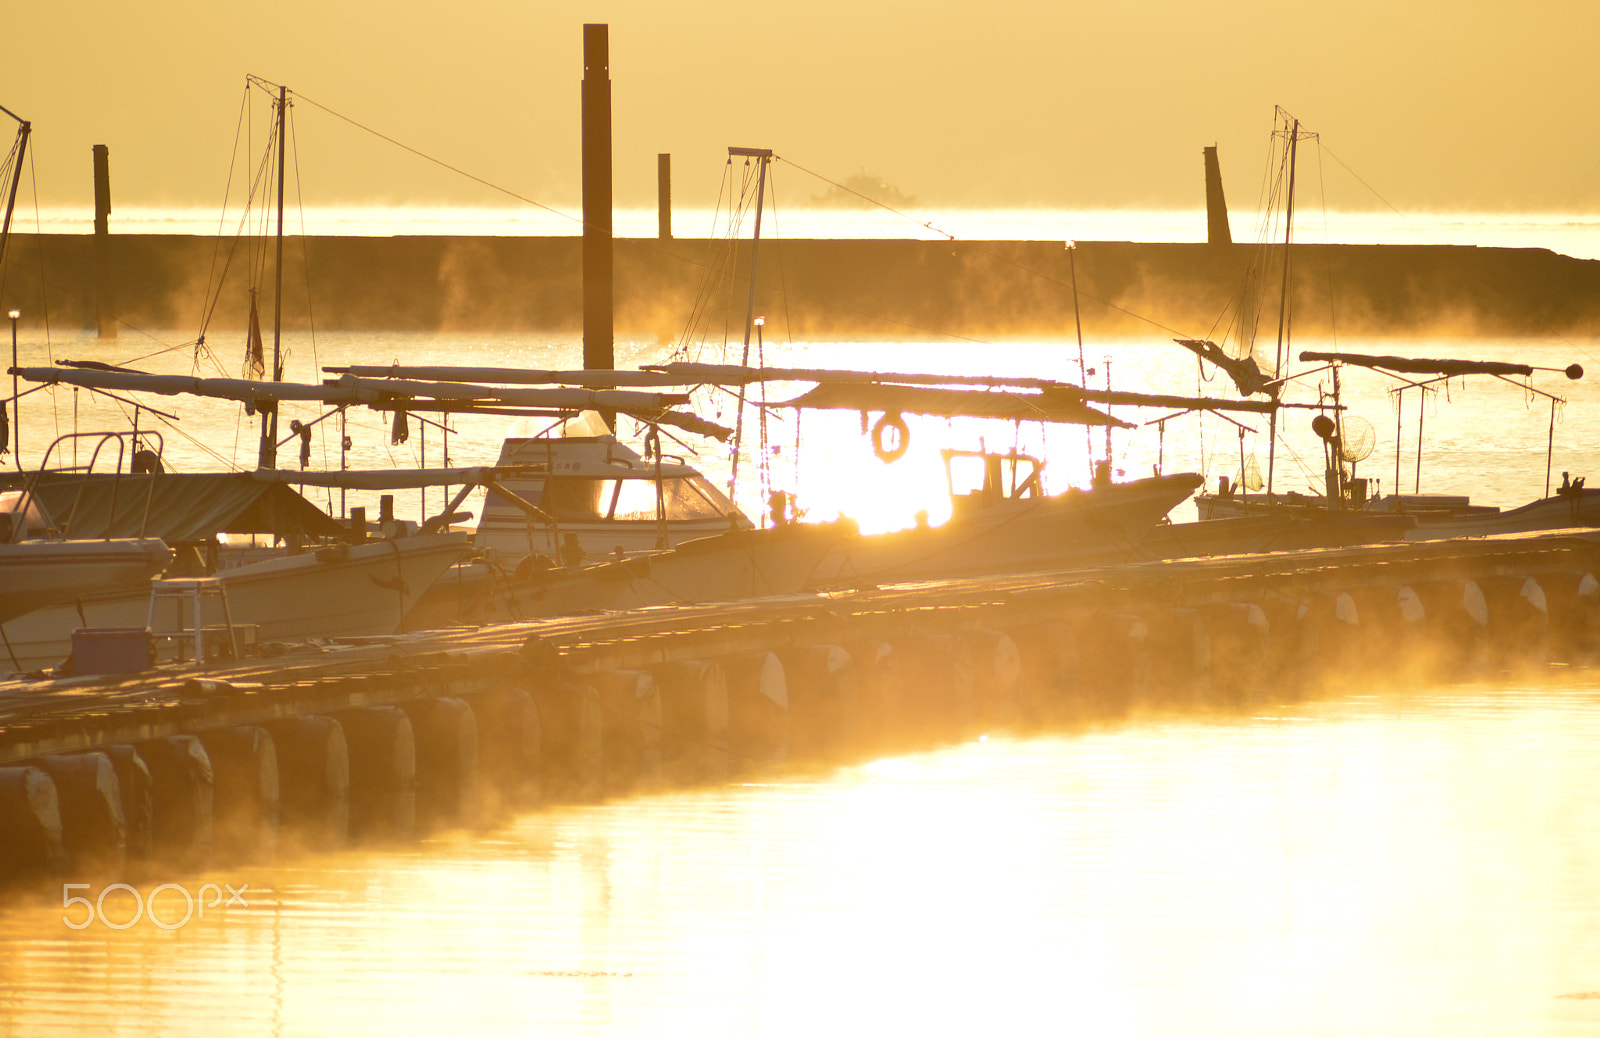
{"points": [[578, 498]]}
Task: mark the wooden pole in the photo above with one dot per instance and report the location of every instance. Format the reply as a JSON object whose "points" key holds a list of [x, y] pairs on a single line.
{"points": [[598, 352], [664, 194]]}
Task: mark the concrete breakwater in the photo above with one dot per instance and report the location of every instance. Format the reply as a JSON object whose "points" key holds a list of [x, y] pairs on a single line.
{"points": [[109, 776], [817, 288]]}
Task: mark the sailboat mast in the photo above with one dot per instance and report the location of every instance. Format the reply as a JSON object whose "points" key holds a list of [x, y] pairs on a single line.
{"points": [[762, 157], [5, 235], [1283, 302], [269, 417], [16, 178]]}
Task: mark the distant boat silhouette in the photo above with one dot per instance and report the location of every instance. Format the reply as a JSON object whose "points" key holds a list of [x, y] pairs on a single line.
{"points": [[862, 191]]}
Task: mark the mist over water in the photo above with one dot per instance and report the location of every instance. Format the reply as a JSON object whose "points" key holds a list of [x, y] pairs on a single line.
{"points": [[1571, 234], [1422, 861]]}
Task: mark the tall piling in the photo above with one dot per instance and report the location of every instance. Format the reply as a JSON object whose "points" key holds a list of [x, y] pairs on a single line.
{"points": [[597, 246], [104, 303], [1217, 231], [664, 195]]}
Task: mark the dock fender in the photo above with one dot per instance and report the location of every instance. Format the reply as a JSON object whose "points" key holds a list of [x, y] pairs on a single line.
{"points": [[94, 828], [313, 778], [1474, 604], [446, 732], [182, 797], [383, 771], [630, 739], [1412, 611], [1532, 592], [30, 817], [694, 720], [1345, 611], [246, 796]]}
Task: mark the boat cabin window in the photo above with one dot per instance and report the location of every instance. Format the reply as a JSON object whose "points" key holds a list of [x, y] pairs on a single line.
{"points": [[579, 499], [983, 479]]}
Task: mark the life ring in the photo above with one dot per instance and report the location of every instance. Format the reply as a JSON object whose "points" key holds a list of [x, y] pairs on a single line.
{"points": [[902, 437]]}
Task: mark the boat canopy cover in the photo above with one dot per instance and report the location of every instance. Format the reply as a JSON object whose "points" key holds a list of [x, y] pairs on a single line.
{"points": [[179, 508], [953, 403]]}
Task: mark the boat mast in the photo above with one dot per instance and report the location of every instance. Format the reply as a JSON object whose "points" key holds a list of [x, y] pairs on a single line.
{"points": [[5, 235], [1283, 302], [269, 417], [762, 157], [23, 130]]}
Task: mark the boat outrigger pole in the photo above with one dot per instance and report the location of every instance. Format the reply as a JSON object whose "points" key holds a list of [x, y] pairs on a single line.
{"points": [[269, 416]]}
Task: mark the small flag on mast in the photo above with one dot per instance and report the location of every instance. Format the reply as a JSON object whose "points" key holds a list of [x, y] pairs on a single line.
{"points": [[255, 359]]}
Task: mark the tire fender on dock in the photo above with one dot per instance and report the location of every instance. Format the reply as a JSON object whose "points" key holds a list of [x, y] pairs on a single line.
{"points": [[383, 772], [313, 779], [94, 827], [30, 817]]}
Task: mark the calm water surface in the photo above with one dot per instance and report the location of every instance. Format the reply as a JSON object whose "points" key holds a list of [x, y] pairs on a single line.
{"points": [[1420, 863]]}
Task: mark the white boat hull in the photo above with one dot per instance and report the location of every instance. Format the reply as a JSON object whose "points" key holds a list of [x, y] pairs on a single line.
{"points": [[39, 573], [337, 592], [1074, 529], [1435, 518]]}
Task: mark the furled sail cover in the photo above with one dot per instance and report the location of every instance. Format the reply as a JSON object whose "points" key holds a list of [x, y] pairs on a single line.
{"points": [[179, 508], [954, 403], [1424, 366], [1244, 371]]}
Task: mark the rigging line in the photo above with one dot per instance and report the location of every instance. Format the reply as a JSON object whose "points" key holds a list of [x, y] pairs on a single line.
{"points": [[1327, 254], [215, 279], [305, 259], [44, 282], [867, 198], [1422, 233], [440, 162]]}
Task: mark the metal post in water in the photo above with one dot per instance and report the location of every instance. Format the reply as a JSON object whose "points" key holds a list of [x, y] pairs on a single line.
{"points": [[105, 324], [598, 345], [664, 195]]}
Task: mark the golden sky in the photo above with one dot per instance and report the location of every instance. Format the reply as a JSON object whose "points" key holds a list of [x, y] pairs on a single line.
{"points": [[1436, 105]]}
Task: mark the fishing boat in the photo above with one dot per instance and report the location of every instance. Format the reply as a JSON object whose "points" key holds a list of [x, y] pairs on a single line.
{"points": [[1002, 518], [315, 578], [38, 568], [1347, 505]]}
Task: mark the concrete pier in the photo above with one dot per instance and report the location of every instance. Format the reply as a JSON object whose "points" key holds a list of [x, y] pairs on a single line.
{"points": [[827, 287], [395, 736]]}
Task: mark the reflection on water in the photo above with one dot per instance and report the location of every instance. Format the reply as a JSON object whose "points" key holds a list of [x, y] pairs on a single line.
{"points": [[1418, 864]]}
